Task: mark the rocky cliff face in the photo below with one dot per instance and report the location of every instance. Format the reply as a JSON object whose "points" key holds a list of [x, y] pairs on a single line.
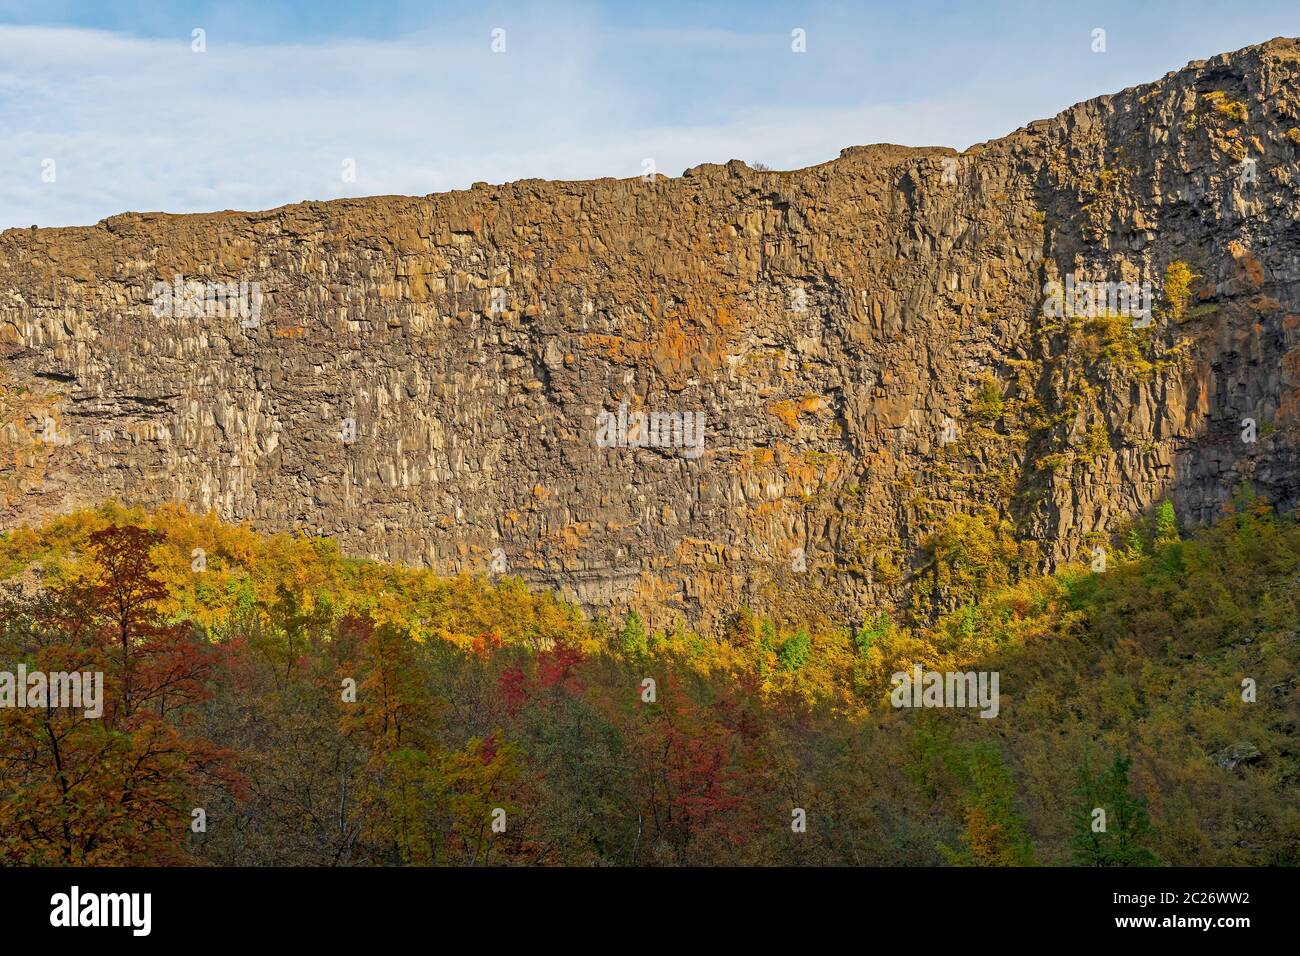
{"points": [[866, 340]]}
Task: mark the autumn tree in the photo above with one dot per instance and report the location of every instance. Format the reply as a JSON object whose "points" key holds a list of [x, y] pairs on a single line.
{"points": [[107, 787]]}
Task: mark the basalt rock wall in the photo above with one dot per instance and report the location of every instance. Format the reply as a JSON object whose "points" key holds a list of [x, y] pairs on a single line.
{"points": [[869, 343]]}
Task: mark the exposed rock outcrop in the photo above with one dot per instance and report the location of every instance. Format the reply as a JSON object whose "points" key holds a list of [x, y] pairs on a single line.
{"points": [[866, 339]]}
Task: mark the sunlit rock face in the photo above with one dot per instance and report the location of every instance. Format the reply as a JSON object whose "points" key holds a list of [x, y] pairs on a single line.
{"points": [[683, 395]]}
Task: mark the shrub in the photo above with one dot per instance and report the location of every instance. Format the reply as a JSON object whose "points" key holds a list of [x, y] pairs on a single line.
{"points": [[794, 652], [987, 403], [1225, 106], [1178, 288]]}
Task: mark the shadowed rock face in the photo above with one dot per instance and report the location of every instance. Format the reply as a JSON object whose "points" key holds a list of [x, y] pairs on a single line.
{"points": [[865, 339]]}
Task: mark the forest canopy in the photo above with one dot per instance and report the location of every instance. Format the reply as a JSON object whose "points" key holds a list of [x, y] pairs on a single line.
{"points": [[270, 701]]}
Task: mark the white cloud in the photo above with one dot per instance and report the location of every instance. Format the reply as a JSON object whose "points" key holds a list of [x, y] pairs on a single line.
{"points": [[146, 124]]}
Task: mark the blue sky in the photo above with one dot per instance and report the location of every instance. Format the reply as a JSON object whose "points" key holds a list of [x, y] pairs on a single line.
{"points": [[413, 95]]}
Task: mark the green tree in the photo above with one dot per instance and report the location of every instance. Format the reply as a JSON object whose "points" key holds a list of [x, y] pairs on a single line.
{"points": [[994, 832], [993, 828], [1118, 838], [1166, 525], [1134, 547], [632, 636], [794, 652], [871, 631]]}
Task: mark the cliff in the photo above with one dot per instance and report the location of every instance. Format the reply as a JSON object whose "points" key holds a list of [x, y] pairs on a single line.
{"points": [[871, 344]]}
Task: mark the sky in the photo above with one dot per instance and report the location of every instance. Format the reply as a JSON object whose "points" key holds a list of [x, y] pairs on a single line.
{"points": [[109, 108]]}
